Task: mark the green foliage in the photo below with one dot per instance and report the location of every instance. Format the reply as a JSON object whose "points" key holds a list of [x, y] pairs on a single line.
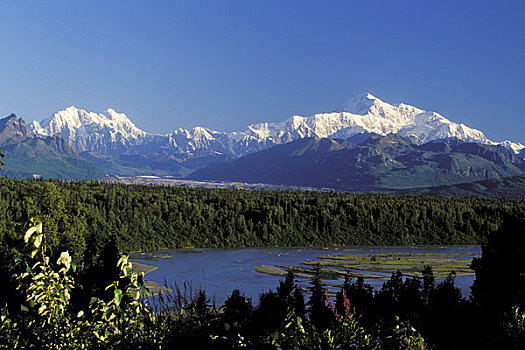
{"points": [[46, 319], [1, 163], [320, 316], [9, 334], [404, 337], [502, 264], [348, 332], [81, 216], [89, 223], [299, 333], [293, 333], [515, 328], [499, 288], [115, 320]]}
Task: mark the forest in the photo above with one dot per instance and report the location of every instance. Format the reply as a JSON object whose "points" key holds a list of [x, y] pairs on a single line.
{"points": [[80, 216], [89, 299]]}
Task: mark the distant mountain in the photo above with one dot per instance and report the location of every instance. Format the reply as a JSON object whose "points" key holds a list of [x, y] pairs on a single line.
{"points": [[87, 131], [109, 135], [27, 154], [367, 143], [508, 187], [13, 130], [377, 162]]}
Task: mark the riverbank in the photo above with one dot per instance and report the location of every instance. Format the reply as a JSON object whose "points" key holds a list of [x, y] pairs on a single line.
{"points": [[153, 287], [256, 270]]}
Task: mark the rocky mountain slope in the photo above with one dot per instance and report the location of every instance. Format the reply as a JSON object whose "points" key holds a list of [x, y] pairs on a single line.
{"points": [[52, 157], [373, 163]]}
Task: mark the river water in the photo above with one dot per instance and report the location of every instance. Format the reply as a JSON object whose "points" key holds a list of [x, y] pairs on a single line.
{"points": [[219, 271]]}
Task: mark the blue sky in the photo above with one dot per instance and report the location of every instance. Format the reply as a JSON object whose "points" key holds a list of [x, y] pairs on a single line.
{"points": [[226, 64]]}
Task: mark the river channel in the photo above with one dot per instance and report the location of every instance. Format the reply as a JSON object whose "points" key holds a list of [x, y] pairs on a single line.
{"points": [[219, 271]]}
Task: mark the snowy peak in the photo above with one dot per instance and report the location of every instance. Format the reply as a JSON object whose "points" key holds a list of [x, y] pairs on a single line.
{"points": [[74, 123], [361, 104], [516, 147], [71, 119], [373, 115]]}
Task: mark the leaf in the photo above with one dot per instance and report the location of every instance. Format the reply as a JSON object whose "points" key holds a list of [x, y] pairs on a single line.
{"points": [[38, 240], [29, 233], [118, 295], [64, 259], [33, 253], [140, 278], [123, 261], [145, 291]]}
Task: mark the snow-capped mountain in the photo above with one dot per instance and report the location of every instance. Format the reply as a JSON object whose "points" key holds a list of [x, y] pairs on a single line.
{"points": [[88, 131], [111, 132], [367, 113]]}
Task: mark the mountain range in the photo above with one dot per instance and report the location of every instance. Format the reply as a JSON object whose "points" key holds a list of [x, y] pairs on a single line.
{"points": [[350, 135], [111, 132], [373, 163], [28, 155]]}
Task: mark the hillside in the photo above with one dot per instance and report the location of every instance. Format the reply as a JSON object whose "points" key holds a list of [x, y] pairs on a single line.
{"points": [[27, 155], [508, 187], [378, 162]]}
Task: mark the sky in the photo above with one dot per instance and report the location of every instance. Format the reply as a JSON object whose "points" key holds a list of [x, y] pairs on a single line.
{"points": [[227, 64]]}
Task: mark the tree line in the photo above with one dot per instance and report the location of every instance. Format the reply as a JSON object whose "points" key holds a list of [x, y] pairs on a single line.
{"points": [[81, 215]]}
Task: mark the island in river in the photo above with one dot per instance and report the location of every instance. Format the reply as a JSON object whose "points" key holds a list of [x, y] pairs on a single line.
{"points": [[219, 271]]}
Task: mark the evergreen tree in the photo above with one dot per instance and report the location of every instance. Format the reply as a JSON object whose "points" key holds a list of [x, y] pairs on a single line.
{"points": [[500, 279], [319, 314], [238, 310], [428, 283]]}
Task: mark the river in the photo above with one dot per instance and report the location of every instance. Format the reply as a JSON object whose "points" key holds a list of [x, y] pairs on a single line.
{"points": [[219, 271]]}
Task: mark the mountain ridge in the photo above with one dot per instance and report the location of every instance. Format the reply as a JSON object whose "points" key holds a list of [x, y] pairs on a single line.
{"points": [[507, 187], [28, 155], [108, 131], [376, 163]]}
